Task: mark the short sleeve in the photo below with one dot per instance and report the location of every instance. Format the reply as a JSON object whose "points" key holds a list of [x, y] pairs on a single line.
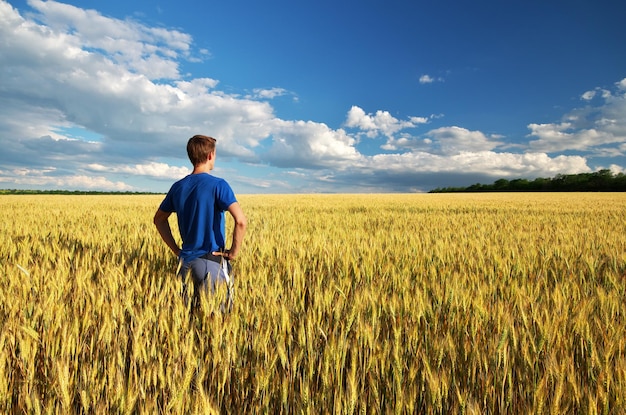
{"points": [[167, 204], [225, 195]]}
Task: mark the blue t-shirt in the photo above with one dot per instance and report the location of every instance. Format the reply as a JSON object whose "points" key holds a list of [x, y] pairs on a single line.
{"points": [[199, 201]]}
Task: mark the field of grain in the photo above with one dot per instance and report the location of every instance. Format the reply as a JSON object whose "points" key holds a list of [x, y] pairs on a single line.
{"points": [[476, 303]]}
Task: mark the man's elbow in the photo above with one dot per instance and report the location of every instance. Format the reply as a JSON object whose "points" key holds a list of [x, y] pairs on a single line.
{"points": [[160, 218], [241, 222]]}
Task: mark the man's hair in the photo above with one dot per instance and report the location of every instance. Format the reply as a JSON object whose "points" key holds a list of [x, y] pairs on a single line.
{"points": [[199, 147]]}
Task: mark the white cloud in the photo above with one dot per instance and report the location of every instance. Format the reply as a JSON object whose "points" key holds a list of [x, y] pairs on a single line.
{"points": [[563, 136], [139, 48], [446, 141], [91, 183], [64, 67], [598, 92], [154, 170], [45, 178], [427, 79], [587, 128], [587, 96], [454, 140], [309, 145], [382, 122], [422, 171], [118, 101], [270, 93], [194, 88], [483, 162]]}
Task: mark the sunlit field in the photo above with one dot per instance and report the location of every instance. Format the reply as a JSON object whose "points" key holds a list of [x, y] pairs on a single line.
{"points": [[465, 303]]}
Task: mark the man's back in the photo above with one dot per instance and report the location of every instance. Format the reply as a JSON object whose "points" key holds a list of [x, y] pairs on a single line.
{"points": [[199, 201]]}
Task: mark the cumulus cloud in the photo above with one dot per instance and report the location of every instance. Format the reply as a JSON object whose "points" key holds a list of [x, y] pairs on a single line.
{"points": [[588, 95], [483, 162], [588, 128], [270, 93], [139, 48], [65, 68], [309, 145], [83, 69], [382, 122], [422, 171], [42, 178], [445, 141], [427, 79], [454, 140], [153, 170]]}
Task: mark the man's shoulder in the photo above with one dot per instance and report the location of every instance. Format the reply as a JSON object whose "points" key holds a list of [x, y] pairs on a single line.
{"points": [[181, 181], [192, 179], [214, 180], [205, 183]]}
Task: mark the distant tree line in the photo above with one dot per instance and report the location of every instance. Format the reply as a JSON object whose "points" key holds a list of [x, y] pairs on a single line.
{"points": [[600, 181], [67, 192]]}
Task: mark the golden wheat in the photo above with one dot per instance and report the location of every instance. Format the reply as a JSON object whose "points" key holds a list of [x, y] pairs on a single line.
{"points": [[476, 303]]}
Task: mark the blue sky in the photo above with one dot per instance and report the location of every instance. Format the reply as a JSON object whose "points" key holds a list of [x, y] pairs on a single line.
{"points": [[326, 96]]}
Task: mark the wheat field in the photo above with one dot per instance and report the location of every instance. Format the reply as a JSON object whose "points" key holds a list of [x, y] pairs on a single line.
{"points": [[373, 304]]}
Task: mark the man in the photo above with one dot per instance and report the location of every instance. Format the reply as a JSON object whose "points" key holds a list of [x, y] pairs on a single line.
{"points": [[200, 201]]}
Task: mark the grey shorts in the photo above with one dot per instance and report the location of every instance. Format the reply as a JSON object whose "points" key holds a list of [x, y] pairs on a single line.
{"points": [[206, 271], [206, 274]]}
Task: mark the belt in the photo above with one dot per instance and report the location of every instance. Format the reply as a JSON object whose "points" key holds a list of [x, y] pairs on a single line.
{"points": [[211, 257]]}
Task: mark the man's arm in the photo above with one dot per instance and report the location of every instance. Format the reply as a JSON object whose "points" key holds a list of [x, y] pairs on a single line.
{"points": [[238, 231], [163, 226]]}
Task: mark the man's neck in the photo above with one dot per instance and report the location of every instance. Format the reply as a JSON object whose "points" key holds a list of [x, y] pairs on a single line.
{"points": [[201, 168]]}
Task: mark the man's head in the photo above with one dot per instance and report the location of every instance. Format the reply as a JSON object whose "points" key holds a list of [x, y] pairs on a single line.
{"points": [[199, 147]]}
